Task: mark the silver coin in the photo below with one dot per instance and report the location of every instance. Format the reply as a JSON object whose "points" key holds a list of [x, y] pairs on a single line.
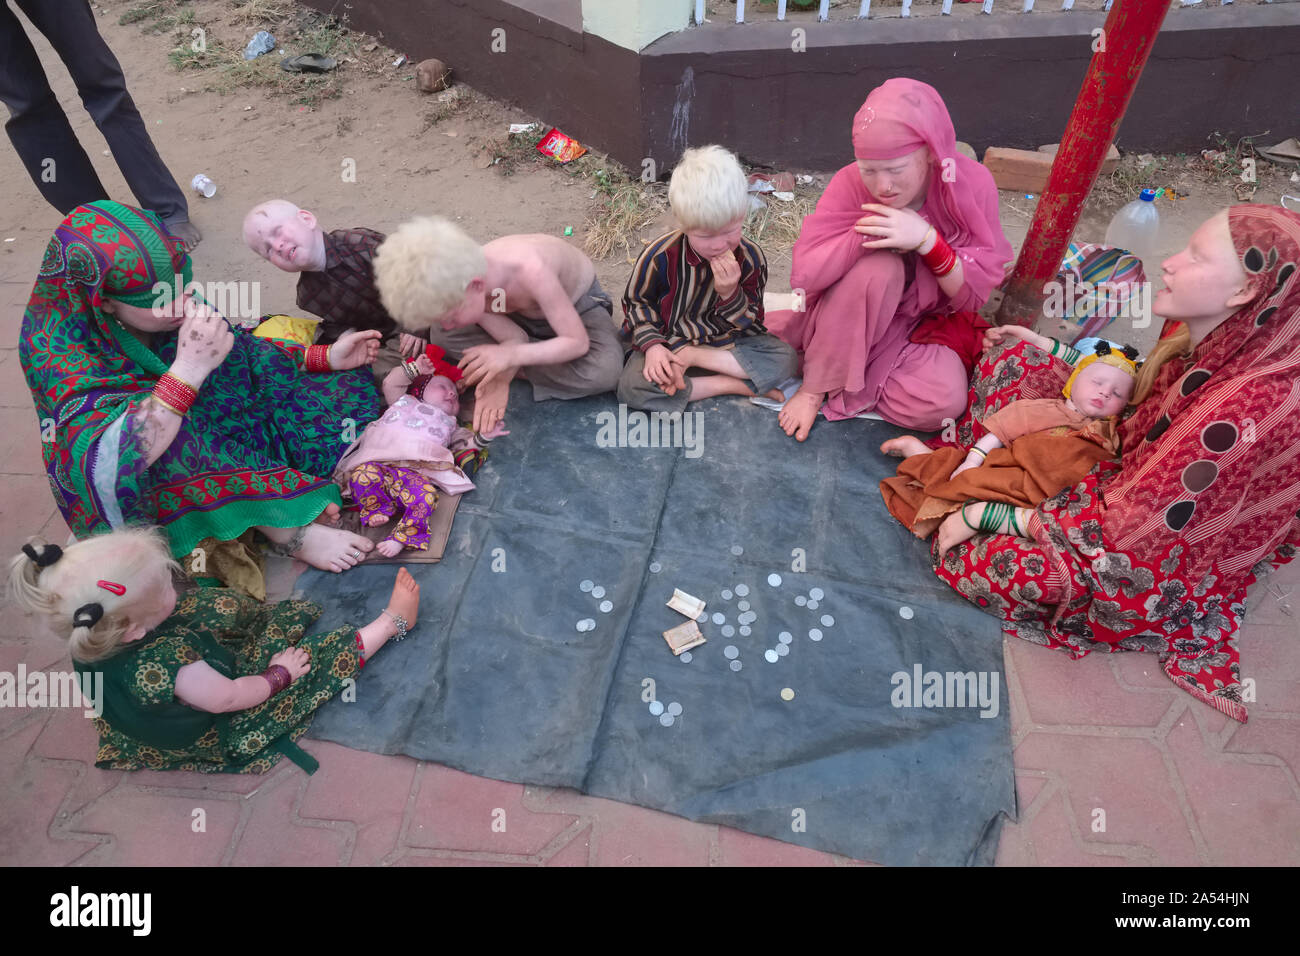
{"points": [[816, 594], [704, 616], [749, 617], [582, 626], [813, 605], [785, 637], [736, 665], [770, 656], [598, 592], [684, 657], [675, 709], [656, 708], [719, 617], [742, 590], [782, 649], [606, 606], [742, 605], [726, 595], [746, 630], [731, 652], [737, 550], [815, 635], [774, 580], [905, 613], [667, 719], [586, 586], [828, 621], [800, 600], [728, 630], [655, 567]]}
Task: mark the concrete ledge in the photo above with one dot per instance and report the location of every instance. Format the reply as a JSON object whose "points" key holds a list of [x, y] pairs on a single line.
{"points": [[1008, 80]]}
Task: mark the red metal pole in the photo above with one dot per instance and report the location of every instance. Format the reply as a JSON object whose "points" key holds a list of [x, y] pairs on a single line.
{"points": [[1120, 53]]}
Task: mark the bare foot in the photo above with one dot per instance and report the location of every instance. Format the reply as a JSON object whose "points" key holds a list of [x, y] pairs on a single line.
{"points": [[904, 446], [187, 233], [333, 549], [953, 532], [405, 602], [376, 519], [775, 395], [389, 548], [800, 412], [330, 516]]}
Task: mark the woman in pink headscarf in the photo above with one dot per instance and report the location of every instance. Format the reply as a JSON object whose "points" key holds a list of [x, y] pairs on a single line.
{"points": [[909, 230]]}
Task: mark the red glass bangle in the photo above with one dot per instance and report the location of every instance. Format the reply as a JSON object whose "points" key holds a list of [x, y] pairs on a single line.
{"points": [[175, 393], [361, 651], [277, 675], [318, 359], [941, 260]]}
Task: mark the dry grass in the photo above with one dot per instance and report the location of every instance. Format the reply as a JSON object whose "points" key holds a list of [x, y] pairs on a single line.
{"points": [[621, 211], [261, 11], [776, 227]]}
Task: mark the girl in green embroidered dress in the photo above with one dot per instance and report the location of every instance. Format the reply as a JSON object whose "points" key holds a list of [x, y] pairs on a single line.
{"points": [[210, 680]]}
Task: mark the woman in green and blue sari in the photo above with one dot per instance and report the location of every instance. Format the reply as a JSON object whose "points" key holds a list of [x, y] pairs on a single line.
{"points": [[155, 411]]}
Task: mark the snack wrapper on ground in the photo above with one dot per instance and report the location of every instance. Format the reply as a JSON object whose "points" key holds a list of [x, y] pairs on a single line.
{"points": [[561, 148]]}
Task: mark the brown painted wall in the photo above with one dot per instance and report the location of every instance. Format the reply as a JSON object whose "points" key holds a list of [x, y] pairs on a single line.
{"points": [[1008, 80]]}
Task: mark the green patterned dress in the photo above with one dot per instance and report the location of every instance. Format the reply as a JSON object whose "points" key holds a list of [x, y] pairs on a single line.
{"points": [[144, 726]]}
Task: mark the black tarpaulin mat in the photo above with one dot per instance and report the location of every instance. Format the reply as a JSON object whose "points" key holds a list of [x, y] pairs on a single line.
{"points": [[501, 680]]}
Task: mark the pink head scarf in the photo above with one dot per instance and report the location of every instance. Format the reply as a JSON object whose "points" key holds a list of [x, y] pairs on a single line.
{"points": [[899, 117]]}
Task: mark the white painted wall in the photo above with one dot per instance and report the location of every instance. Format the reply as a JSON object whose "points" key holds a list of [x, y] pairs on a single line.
{"points": [[635, 24]]}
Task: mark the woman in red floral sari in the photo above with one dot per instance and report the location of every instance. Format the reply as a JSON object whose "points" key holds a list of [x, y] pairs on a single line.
{"points": [[1155, 554]]}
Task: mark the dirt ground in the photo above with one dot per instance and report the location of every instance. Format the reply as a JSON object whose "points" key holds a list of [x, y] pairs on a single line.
{"points": [[258, 142]]}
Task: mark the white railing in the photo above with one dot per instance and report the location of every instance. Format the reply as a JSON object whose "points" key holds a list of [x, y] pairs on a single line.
{"points": [[864, 8]]}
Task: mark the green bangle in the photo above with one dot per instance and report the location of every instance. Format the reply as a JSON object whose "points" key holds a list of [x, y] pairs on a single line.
{"points": [[965, 519], [1014, 524]]}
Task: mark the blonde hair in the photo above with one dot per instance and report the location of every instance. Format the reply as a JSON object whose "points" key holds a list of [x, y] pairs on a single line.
{"points": [[1178, 344], [423, 268], [138, 559], [708, 189]]}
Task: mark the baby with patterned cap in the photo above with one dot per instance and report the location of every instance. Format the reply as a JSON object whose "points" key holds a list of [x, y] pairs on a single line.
{"points": [[1049, 444], [414, 450]]}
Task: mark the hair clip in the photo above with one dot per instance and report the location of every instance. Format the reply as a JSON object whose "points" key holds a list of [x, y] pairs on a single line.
{"points": [[1130, 353], [49, 553], [88, 615], [1101, 348], [112, 586]]}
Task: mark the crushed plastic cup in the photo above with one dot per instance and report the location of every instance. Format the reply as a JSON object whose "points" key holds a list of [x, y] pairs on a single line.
{"points": [[204, 186]]}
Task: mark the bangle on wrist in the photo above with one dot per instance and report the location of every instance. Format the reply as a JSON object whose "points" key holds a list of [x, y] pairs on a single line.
{"points": [[925, 239], [977, 449], [941, 259], [175, 393], [318, 359], [277, 675]]}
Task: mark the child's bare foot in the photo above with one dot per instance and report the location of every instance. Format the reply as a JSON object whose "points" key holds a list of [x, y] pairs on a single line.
{"points": [[800, 412], [332, 549], [953, 532], [376, 519], [330, 516], [405, 602], [389, 548], [905, 446], [775, 394]]}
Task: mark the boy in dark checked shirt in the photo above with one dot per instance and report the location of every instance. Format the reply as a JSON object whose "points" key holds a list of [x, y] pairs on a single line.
{"points": [[336, 276]]}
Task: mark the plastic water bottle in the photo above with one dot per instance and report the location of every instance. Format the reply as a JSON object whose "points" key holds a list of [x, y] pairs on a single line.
{"points": [[1136, 227]]}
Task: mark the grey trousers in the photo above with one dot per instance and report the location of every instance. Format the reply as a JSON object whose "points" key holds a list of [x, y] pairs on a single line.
{"points": [[766, 360], [40, 130], [591, 374]]}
